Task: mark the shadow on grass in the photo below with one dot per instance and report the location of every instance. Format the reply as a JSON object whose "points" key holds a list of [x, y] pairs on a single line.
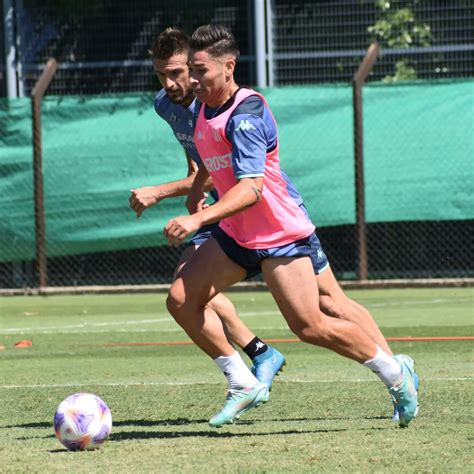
{"points": [[314, 418], [40, 424], [211, 433], [188, 421], [166, 422]]}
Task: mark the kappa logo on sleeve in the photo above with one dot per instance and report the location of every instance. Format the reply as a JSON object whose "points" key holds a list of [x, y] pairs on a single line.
{"points": [[244, 125]]}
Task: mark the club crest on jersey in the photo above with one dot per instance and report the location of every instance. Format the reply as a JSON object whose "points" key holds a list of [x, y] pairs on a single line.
{"points": [[199, 135], [244, 125], [216, 135], [173, 118]]}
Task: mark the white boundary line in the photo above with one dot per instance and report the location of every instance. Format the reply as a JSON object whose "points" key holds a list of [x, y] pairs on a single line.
{"points": [[90, 325], [243, 286], [173, 384]]}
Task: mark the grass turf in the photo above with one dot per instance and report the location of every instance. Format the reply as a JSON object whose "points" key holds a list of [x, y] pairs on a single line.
{"points": [[326, 413]]}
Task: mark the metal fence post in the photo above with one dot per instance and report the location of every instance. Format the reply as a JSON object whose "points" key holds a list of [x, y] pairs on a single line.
{"points": [[361, 231], [40, 227], [260, 43], [270, 4], [9, 41]]}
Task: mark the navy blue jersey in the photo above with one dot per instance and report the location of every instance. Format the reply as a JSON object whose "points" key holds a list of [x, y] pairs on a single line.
{"points": [[181, 120], [253, 133]]}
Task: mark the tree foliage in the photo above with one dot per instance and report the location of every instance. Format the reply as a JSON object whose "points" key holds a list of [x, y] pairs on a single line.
{"points": [[399, 28]]}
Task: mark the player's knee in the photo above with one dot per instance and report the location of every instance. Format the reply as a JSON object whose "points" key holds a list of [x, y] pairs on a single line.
{"points": [[175, 301], [222, 306], [181, 305], [321, 334], [330, 307], [314, 333], [215, 305], [307, 334]]}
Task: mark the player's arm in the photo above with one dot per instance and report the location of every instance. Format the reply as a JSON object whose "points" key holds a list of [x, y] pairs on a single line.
{"points": [[249, 148], [147, 196], [192, 165], [246, 193], [196, 195]]}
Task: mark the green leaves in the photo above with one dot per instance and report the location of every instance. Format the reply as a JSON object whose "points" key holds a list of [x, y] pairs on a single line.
{"points": [[400, 29]]}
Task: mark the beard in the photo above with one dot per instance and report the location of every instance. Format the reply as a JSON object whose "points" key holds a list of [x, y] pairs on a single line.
{"points": [[179, 99]]}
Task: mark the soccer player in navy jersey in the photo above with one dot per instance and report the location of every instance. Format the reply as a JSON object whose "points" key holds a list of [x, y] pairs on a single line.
{"points": [[262, 226], [175, 104]]}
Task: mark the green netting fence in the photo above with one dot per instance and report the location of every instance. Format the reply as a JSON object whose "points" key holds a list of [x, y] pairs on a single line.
{"points": [[419, 175]]}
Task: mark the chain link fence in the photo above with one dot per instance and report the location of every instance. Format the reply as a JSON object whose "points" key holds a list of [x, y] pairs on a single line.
{"points": [[323, 41], [96, 147], [102, 46]]}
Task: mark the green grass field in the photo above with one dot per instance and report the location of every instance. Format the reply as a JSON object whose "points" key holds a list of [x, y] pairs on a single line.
{"points": [[326, 413]]}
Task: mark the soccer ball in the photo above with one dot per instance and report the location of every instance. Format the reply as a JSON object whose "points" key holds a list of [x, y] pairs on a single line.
{"points": [[82, 421]]}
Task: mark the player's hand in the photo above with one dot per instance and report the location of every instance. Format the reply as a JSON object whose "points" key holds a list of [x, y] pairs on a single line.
{"points": [[196, 202], [143, 198], [180, 227]]}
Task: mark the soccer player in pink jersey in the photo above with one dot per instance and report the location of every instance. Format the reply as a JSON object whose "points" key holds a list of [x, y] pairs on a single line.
{"points": [[261, 226], [175, 104]]}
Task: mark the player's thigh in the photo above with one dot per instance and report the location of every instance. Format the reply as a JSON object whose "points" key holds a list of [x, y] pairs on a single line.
{"points": [[328, 285], [207, 272], [294, 288], [185, 256]]}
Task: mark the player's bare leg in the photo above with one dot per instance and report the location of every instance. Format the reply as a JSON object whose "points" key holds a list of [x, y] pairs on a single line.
{"points": [[334, 302], [267, 362], [289, 281], [237, 331], [208, 272], [191, 291], [295, 291]]}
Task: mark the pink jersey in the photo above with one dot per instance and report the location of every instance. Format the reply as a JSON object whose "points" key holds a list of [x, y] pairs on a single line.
{"points": [[276, 219]]}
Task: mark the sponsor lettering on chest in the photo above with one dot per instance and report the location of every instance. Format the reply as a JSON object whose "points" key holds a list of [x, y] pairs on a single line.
{"points": [[217, 163]]}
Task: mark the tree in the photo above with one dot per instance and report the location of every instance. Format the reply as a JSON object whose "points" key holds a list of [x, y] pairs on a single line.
{"points": [[399, 28]]}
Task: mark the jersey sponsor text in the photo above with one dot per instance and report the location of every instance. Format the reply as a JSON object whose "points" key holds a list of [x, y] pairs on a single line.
{"points": [[216, 163]]}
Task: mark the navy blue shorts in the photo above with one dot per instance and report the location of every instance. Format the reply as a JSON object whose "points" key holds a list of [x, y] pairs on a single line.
{"points": [[316, 254], [202, 234], [318, 257], [251, 259]]}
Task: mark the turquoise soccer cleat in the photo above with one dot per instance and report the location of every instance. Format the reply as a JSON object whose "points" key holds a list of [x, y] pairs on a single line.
{"points": [[404, 394], [268, 365], [238, 402], [416, 381]]}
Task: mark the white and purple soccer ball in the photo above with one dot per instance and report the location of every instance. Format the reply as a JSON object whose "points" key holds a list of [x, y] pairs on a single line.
{"points": [[82, 421]]}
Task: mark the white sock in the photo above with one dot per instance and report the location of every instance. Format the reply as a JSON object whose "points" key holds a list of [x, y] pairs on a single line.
{"points": [[386, 367], [237, 373]]}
